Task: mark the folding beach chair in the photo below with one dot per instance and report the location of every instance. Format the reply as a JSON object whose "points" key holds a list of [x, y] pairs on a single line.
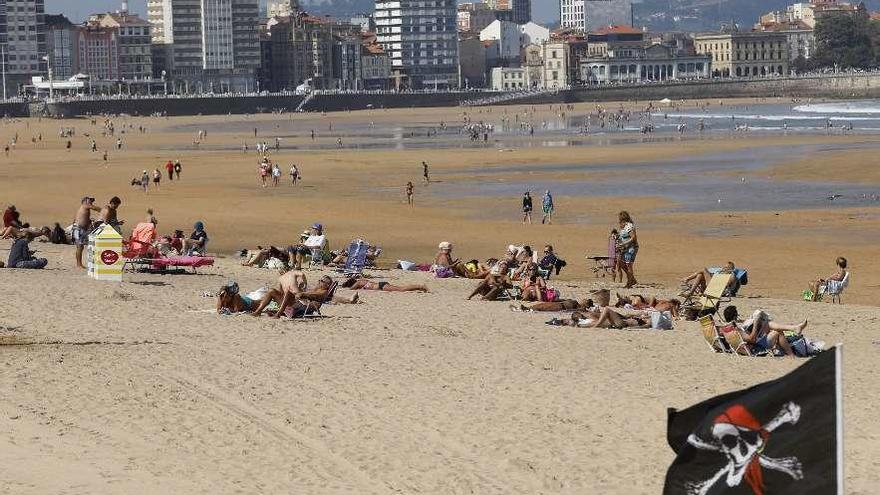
{"points": [[356, 258], [739, 346], [712, 296], [601, 265], [713, 337], [314, 310], [835, 289]]}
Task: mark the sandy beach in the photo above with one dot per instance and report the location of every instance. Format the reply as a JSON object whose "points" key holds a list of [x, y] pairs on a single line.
{"points": [[141, 387]]}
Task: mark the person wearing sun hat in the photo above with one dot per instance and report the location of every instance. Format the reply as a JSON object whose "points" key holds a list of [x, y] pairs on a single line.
{"points": [[311, 243], [197, 240]]}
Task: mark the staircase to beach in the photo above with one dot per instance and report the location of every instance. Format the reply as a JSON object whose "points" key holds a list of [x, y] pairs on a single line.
{"points": [[505, 97], [304, 102]]}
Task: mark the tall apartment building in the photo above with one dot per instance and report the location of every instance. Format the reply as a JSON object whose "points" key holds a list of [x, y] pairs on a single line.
{"points": [[133, 44], [23, 38], [60, 50], [592, 15], [421, 39], [97, 51], [214, 43]]}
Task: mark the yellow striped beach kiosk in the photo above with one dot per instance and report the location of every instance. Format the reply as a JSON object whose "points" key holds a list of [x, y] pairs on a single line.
{"points": [[105, 254]]}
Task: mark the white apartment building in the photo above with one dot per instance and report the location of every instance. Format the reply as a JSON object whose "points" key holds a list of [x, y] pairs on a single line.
{"points": [[212, 42], [421, 39], [556, 64], [590, 15]]}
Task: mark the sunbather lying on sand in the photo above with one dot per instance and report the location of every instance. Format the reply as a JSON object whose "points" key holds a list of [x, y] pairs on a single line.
{"points": [[561, 305], [639, 302], [292, 288], [362, 284], [260, 255], [604, 318], [763, 334], [229, 301], [698, 281]]}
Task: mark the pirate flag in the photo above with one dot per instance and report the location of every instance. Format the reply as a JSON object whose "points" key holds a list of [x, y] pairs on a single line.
{"points": [[778, 437]]}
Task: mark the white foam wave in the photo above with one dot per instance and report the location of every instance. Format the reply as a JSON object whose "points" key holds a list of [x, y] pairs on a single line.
{"points": [[772, 118], [850, 107]]}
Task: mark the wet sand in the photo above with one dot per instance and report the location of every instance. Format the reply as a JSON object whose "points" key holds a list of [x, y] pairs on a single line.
{"points": [[115, 388]]}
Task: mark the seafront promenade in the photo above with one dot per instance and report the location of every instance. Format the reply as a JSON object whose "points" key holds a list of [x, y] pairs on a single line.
{"points": [[846, 85]]}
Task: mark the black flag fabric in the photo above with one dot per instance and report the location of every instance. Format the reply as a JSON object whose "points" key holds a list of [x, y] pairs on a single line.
{"points": [[778, 437]]}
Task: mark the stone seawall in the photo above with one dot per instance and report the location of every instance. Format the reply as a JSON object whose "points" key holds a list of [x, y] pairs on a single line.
{"points": [[844, 86], [14, 110], [172, 106], [839, 86]]}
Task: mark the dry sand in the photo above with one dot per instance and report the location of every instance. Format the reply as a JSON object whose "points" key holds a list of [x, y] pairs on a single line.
{"points": [[110, 388]]}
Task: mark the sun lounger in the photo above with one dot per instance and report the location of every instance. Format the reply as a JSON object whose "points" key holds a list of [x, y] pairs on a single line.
{"points": [[168, 264]]}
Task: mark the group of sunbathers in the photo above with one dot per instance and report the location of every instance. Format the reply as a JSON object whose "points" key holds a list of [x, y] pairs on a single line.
{"points": [[519, 269], [312, 246]]}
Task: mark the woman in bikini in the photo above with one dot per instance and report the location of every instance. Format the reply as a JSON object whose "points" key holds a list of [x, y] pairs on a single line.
{"points": [[362, 284], [229, 301], [605, 318], [562, 305]]}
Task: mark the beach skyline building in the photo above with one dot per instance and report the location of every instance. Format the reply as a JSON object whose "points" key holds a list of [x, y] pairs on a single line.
{"points": [[422, 41], [211, 43], [592, 15], [23, 41]]}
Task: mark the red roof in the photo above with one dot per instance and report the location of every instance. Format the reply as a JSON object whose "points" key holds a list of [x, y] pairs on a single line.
{"points": [[618, 30]]}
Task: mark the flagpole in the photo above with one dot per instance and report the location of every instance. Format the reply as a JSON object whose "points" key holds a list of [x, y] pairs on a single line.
{"points": [[838, 375]]}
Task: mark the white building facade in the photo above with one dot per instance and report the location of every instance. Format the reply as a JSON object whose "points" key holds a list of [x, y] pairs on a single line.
{"points": [[421, 39], [23, 37], [507, 34]]}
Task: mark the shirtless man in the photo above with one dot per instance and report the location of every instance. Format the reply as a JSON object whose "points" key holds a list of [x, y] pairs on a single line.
{"points": [[495, 282], [82, 226], [293, 287], [109, 214]]}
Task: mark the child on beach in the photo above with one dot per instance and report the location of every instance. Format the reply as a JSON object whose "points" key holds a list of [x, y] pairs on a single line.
{"points": [[614, 257]]}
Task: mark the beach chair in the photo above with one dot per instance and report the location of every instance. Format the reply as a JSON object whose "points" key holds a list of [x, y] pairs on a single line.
{"points": [[737, 345], [356, 258], [601, 265], [711, 297], [713, 337], [835, 289]]}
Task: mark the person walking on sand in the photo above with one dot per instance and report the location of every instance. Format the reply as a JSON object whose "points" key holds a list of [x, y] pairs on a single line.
{"points": [[627, 246], [157, 178], [177, 168], [409, 193], [169, 167], [527, 208], [81, 227], [263, 170], [547, 208], [294, 174], [425, 172]]}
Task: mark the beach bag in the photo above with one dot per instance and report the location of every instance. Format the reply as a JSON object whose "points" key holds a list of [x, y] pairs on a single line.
{"points": [[406, 265], [549, 294], [274, 264], [661, 320], [443, 272]]}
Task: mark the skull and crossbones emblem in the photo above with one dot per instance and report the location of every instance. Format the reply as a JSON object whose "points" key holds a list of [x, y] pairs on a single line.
{"points": [[741, 438]]}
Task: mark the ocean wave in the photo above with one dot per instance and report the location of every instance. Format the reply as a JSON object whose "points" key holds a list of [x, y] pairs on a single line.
{"points": [[852, 107]]}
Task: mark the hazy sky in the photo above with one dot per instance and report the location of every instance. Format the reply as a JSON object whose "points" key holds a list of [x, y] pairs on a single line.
{"points": [[78, 10]]}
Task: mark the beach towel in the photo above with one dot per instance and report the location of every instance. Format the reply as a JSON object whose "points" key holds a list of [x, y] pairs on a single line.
{"points": [[190, 261], [407, 265]]}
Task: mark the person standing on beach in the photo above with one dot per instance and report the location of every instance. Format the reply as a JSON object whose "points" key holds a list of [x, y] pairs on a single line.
{"points": [[157, 178], [294, 174], [109, 214], [527, 207], [276, 174], [627, 246], [81, 227], [177, 168], [547, 208], [145, 181], [169, 167], [425, 172], [409, 193]]}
